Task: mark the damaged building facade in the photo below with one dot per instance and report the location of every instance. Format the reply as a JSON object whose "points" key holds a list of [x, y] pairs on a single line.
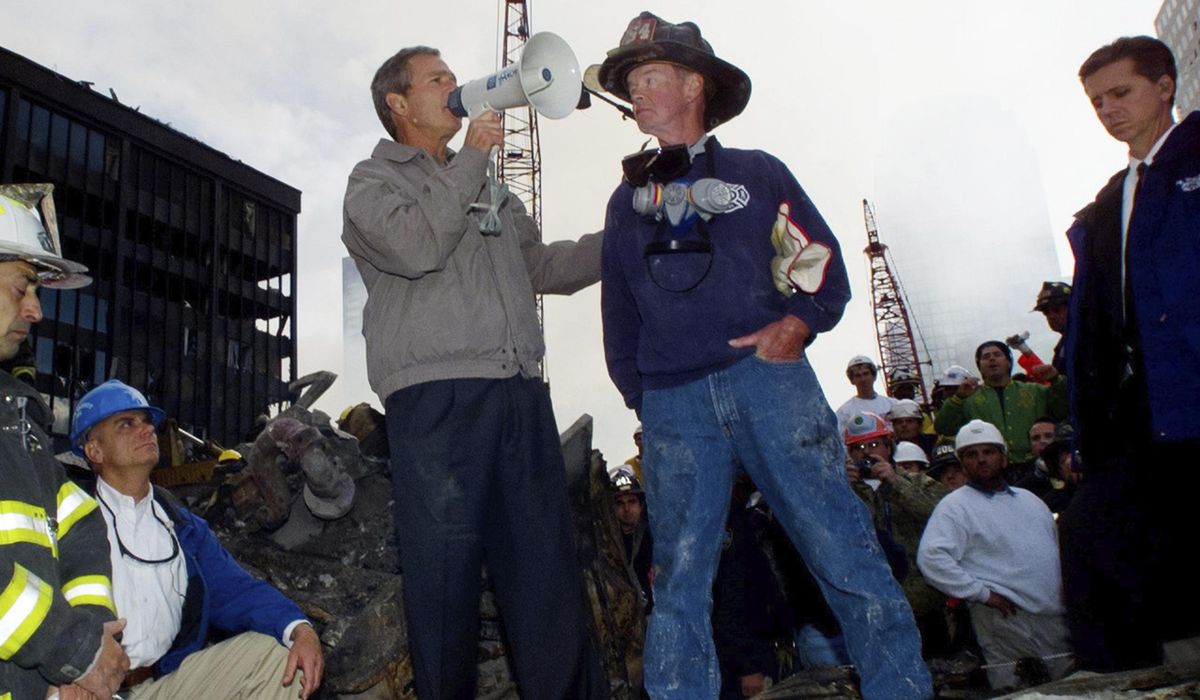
{"points": [[193, 255]]}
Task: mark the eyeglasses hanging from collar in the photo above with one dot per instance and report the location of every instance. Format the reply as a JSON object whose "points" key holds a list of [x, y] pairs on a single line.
{"points": [[125, 552]]}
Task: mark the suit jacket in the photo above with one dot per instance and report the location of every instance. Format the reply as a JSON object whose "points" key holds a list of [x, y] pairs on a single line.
{"points": [[1162, 260]]}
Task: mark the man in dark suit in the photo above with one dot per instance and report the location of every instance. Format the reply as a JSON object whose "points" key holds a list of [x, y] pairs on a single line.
{"points": [[1133, 338]]}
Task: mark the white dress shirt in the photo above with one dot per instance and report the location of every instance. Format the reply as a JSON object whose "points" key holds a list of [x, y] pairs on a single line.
{"points": [[149, 596], [1130, 187]]}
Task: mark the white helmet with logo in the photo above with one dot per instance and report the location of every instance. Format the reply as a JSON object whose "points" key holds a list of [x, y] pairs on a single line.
{"points": [[909, 452], [23, 236], [978, 432]]}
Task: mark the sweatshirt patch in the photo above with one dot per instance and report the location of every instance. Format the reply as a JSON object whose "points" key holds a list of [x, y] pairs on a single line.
{"points": [[799, 263]]}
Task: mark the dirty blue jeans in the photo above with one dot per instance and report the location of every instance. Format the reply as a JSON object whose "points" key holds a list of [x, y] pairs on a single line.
{"points": [[771, 418]]}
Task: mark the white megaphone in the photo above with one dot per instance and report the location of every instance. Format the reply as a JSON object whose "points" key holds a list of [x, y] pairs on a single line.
{"points": [[546, 78]]}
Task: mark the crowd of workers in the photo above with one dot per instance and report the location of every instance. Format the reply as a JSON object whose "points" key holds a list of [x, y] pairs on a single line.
{"points": [[718, 271]]}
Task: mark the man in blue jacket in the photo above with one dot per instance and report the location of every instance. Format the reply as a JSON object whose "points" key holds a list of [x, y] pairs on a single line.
{"points": [[1133, 344], [717, 272], [175, 582]]}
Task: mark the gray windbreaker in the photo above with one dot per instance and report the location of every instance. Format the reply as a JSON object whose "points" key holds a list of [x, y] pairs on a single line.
{"points": [[445, 301]]}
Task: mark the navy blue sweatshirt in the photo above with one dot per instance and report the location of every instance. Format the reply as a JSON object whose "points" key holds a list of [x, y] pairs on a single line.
{"points": [[655, 338]]}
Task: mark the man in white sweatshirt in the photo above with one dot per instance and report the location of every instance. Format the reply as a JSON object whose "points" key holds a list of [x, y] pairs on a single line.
{"points": [[996, 547]]}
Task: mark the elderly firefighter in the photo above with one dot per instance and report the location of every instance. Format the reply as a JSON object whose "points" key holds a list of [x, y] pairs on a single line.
{"points": [[718, 271]]}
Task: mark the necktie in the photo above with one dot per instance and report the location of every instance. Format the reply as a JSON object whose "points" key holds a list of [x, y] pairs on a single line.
{"points": [[1130, 316]]}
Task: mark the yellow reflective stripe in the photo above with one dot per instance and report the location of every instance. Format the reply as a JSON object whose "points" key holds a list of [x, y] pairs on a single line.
{"points": [[23, 606], [6, 696], [73, 504], [21, 522], [90, 590]]}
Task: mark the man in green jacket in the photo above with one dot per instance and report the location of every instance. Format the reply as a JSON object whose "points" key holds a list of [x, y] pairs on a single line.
{"points": [[1010, 406]]}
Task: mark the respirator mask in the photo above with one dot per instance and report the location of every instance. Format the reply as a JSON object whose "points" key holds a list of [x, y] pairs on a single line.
{"points": [[677, 262]]}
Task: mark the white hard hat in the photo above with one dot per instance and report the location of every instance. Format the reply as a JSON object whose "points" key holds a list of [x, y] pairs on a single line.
{"points": [[861, 360], [909, 452], [22, 236], [905, 408], [954, 375], [978, 432]]}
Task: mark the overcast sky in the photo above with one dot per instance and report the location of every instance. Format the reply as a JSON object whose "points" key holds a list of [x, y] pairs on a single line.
{"points": [[843, 92]]}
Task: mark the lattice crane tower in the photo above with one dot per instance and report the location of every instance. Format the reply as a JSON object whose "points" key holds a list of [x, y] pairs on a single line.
{"points": [[893, 329], [519, 163]]}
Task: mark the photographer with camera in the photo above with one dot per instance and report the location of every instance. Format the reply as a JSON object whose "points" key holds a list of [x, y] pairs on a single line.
{"points": [[901, 503]]}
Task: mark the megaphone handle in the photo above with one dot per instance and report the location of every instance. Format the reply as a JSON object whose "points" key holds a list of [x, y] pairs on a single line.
{"points": [[491, 225]]}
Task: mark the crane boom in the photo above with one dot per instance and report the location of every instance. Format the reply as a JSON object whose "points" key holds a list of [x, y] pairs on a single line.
{"points": [[893, 327]]}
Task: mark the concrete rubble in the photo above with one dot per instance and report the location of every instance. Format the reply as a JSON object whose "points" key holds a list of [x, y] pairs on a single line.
{"points": [[310, 511]]}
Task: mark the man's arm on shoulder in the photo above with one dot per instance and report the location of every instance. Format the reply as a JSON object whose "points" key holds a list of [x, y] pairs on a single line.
{"points": [[560, 267], [408, 230]]}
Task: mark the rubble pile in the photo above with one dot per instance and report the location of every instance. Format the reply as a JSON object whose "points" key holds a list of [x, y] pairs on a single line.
{"points": [[312, 514]]}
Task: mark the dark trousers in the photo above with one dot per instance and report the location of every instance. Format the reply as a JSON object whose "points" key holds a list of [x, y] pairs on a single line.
{"points": [[477, 473], [1128, 544]]}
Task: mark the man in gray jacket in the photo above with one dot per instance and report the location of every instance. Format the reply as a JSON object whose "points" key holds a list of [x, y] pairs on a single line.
{"points": [[453, 346]]}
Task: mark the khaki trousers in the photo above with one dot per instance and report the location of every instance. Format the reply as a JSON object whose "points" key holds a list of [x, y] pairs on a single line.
{"points": [[1006, 639], [248, 666]]}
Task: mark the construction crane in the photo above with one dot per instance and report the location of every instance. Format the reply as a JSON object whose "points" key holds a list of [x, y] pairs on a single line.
{"points": [[893, 328], [519, 162]]}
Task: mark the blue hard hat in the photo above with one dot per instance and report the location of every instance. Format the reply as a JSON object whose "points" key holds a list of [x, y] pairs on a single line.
{"points": [[108, 399]]}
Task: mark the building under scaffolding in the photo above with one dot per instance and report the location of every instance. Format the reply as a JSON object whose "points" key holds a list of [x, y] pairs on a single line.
{"points": [[193, 255]]}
